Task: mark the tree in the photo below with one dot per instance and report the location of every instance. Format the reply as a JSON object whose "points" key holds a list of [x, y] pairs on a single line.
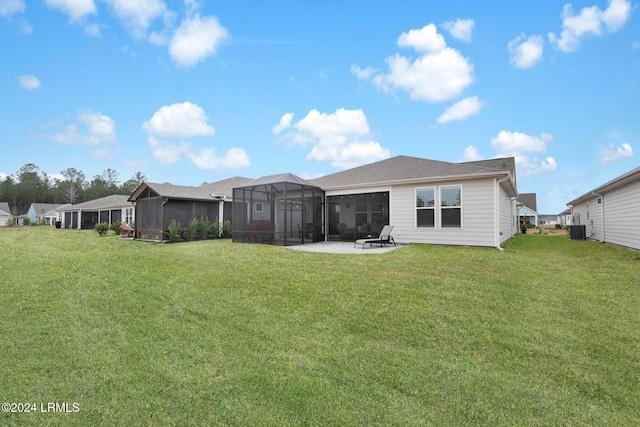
{"points": [[76, 183], [30, 186], [130, 185], [110, 177]]}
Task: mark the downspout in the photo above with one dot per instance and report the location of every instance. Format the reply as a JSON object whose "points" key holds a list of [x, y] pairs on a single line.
{"points": [[601, 213], [497, 208]]}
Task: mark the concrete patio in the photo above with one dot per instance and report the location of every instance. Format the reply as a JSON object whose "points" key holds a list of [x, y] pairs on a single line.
{"points": [[343, 248]]}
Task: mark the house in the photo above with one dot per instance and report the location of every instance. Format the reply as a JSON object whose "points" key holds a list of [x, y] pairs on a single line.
{"points": [[109, 209], [5, 214], [427, 201], [156, 205], [609, 213], [528, 209], [548, 220], [565, 218], [42, 213]]}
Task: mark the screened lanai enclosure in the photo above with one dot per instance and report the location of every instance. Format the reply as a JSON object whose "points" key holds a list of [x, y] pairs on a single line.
{"points": [[280, 210], [157, 205]]}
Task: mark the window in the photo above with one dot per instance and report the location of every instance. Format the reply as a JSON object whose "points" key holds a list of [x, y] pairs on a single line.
{"points": [[451, 206], [128, 215], [425, 207], [258, 206]]}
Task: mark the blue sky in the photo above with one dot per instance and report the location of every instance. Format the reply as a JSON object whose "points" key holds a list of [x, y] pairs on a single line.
{"points": [[191, 91]]}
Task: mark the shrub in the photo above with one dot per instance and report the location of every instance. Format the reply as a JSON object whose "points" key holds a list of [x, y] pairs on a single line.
{"points": [[102, 228], [26, 221], [192, 228], [226, 229], [215, 228], [11, 222], [174, 232], [115, 227], [523, 228], [204, 227]]}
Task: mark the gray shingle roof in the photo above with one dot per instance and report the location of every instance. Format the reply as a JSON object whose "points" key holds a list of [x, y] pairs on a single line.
{"points": [[209, 191], [529, 200], [108, 202], [4, 208], [40, 208], [280, 178], [405, 168]]}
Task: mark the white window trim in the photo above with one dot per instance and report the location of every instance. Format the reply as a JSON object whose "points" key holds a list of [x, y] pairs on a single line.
{"points": [[451, 207], [261, 207], [434, 208]]}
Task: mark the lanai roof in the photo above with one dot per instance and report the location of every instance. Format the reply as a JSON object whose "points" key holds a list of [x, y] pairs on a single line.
{"points": [[280, 178], [407, 169], [211, 191]]}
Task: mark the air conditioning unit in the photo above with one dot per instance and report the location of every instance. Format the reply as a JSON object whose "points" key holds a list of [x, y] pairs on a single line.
{"points": [[578, 232]]}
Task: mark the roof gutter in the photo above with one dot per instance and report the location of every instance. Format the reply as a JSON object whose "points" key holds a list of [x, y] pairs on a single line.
{"points": [[497, 210]]}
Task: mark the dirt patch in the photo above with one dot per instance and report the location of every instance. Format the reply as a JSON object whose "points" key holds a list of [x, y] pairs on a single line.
{"points": [[552, 231]]}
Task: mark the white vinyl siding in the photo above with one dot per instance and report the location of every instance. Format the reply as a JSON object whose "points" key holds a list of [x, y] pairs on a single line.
{"points": [[622, 216], [508, 216], [478, 215]]}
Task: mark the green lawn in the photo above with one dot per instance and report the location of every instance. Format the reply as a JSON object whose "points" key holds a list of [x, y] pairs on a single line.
{"points": [[215, 333]]}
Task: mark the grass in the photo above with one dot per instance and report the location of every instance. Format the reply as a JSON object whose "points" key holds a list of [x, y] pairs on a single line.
{"points": [[215, 333]]}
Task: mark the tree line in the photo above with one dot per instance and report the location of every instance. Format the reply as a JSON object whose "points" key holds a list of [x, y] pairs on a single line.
{"points": [[30, 185]]}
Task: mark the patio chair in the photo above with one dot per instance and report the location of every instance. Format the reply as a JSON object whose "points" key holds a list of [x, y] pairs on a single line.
{"points": [[384, 238]]}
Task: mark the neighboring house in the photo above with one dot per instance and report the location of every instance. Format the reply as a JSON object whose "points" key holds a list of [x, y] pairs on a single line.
{"points": [[427, 201], [42, 213], [610, 212], [528, 209], [109, 209], [5, 214], [565, 218], [157, 205], [548, 220]]}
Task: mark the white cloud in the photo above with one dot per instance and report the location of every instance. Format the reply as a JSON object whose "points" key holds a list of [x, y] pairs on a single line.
{"points": [[461, 110], [138, 15], [9, 7], [172, 123], [426, 39], [75, 9], [363, 73], [91, 128], [589, 22], [285, 123], [471, 154], [92, 30], [196, 39], [342, 138], [179, 121], [527, 166], [460, 29], [29, 82], [526, 52], [166, 152], [439, 74], [513, 143], [518, 144], [235, 158], [613, 153]]}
